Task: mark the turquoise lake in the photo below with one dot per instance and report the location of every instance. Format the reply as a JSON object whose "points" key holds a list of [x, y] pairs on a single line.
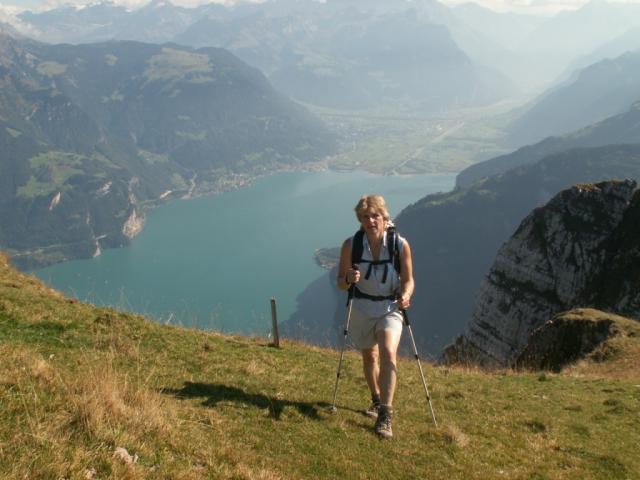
{"points": [[215, 262]]}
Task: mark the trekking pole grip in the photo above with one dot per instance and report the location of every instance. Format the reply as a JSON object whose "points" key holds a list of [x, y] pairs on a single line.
{"points": [[405, 317], [352, 286]]}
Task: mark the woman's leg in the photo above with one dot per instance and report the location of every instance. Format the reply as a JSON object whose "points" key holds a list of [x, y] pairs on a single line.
{"points": [[371, 367], [388, 341]]}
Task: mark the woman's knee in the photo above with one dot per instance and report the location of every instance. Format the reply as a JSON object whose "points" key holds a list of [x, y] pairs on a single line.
{"points": [[388, 356], [370, 355]]}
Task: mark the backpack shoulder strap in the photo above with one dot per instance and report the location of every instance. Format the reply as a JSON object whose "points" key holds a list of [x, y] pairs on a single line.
{"points": [[357, 247], [394, 247]]}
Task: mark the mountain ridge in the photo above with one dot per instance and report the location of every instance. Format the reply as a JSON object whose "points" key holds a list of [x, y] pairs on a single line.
{"points": [[600, 90], [623, 128]]}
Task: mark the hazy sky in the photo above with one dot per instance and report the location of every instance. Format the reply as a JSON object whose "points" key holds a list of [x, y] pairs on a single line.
{"points": [[522, 6]]}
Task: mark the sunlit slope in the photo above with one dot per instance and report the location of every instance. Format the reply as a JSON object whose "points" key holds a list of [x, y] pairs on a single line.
{"points": [[78, 382]]}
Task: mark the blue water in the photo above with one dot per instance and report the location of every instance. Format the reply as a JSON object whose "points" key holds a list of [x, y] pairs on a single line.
{"points": [[216, 262]]}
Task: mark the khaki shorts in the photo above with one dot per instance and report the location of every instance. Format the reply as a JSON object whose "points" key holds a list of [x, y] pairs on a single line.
{"points": [[363, 328]]}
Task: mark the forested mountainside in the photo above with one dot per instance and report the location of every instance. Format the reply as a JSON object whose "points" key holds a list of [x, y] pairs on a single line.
{"points": [[578, 250], [618, 129], [455, 235], [90, 134], [599, 91]]}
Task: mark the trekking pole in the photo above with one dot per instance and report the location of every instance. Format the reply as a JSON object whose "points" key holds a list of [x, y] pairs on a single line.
{"points": [[415, 352], [333, 407]]}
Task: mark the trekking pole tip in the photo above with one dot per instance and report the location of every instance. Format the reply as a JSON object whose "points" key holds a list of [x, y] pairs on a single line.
{"points": [[332, 409]]}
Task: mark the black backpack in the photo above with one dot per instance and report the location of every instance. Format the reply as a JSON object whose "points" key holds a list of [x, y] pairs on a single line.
{"points": [[394, 252]]}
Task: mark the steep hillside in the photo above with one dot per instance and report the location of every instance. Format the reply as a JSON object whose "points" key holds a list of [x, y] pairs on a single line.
{"points": [[91, 134], [561, 257], [618, 129], [601, 90], [94, 393], [455, 236]]}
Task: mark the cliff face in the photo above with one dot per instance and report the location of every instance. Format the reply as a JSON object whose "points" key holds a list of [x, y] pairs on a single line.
{"points": [[572, 252]]}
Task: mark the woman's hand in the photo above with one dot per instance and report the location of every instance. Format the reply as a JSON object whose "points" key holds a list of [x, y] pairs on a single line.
{"points": [[404, 301], [352, 276], [348, 273]]}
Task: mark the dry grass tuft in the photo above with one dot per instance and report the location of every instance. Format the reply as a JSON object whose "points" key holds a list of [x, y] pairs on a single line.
{"points": [[254, 368], [103, 403], [42, 371], [244, 472], [22, 367], [454, 435]]}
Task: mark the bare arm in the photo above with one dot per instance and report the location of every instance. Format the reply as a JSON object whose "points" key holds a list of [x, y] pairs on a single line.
{"points": [[407, 284], [346, 274]]}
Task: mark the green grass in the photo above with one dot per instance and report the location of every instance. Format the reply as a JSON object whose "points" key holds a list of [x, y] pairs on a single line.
{"points": [[77, 382], [51, 68], [13, 132], [52, 170], [153, 158], [172, 64]]}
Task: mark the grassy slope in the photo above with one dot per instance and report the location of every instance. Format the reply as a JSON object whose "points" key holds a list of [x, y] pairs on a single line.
{"points": [[77, 382], [616, 357]]}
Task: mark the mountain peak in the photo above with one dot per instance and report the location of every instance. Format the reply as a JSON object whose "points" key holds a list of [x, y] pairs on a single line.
{"points": [[158, 4]]}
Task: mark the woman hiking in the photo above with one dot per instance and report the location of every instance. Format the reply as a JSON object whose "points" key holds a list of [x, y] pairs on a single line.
{"points": [[378, 263]]}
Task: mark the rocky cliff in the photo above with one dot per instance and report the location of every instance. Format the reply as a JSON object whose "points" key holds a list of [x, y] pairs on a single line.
{"points": [[575, 251]]}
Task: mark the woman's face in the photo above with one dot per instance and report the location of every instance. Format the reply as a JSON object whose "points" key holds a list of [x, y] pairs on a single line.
{"points": [[372, 222]]}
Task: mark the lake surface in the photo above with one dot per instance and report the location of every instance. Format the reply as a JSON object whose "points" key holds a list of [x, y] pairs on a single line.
{"points": [[216, 262]]}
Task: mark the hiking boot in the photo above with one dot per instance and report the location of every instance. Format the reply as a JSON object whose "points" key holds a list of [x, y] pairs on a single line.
{"points": [[383, 423], [372, 411]]}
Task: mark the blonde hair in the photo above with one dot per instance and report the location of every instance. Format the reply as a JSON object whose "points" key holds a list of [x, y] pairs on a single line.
{"points": [[372, 202]]}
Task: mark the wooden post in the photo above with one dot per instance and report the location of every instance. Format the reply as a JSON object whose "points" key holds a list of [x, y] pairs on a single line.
{"points": [[274, 324]]}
